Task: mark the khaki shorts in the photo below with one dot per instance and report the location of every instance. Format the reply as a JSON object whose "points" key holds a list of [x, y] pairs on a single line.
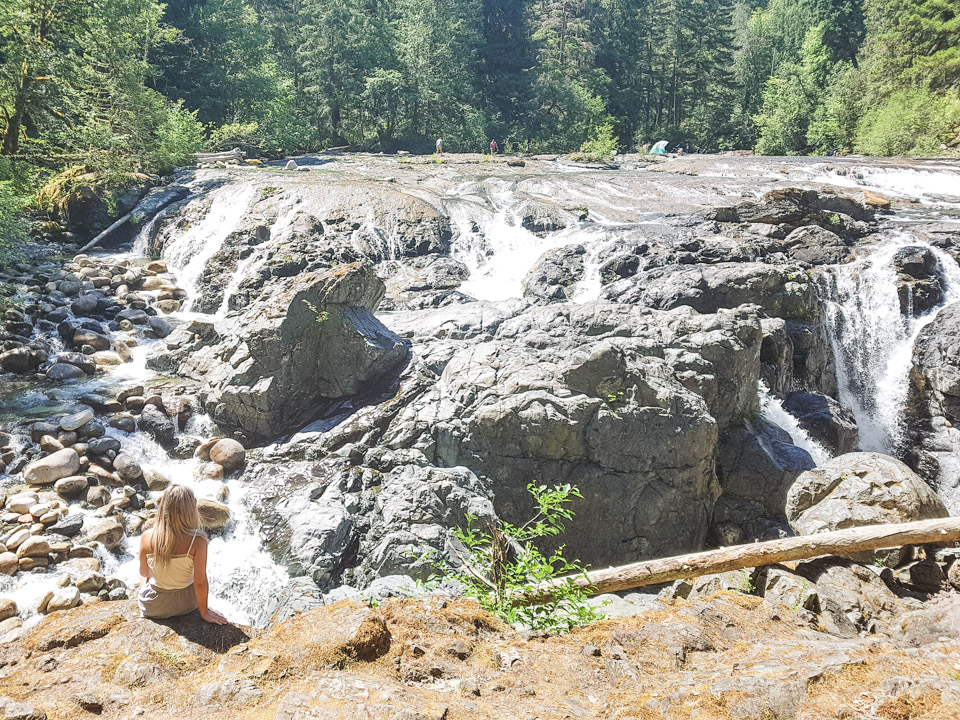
{"points": [[156, 603]]}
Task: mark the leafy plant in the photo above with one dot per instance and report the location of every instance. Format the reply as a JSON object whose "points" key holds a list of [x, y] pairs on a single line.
{"points": [[614, 397], [501, 563], [321, 316], [744, 582], [602, 143]]}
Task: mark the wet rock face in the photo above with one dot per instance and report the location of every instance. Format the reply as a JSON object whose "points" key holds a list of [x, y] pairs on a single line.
{"points": [[315, 339], [933, 406], [555, 275], [757, 465], [921, 282], [826, 420]]}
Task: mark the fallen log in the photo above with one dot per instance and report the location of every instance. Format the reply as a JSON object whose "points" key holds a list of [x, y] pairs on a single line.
{"points": [[738, 557], [96, 241], [225, 156]]}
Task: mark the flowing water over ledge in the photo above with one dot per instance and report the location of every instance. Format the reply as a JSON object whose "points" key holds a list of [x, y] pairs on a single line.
{"points": [[871, 339]]}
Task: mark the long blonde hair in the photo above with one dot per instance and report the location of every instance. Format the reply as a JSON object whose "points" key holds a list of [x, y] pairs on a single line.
{"points": [[177, 515]]}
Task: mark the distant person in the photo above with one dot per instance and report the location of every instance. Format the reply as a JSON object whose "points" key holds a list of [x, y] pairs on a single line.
{"points": [[439, 146], [173, 560], [494, 147], [680, 150]]}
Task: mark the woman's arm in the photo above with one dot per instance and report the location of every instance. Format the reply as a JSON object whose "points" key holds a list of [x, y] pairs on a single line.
{"points": [[200, 586], [145, 547]]}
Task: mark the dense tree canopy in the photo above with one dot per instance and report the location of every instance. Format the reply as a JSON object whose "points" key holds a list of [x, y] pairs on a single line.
{"points": [[145, 83]]}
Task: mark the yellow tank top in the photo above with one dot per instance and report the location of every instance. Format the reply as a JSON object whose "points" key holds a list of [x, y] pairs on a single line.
{"points": [[174, 575]]}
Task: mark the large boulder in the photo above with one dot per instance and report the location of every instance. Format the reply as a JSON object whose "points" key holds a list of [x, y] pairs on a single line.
{"points": [[815, 245], [314, 340], [153, 422], [105, 531], [228, 453], [46, 471], [213, 515], [624, 402], [859, 489]]}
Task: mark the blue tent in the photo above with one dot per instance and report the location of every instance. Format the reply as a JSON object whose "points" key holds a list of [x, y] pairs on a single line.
{"points": [[659, 148]]}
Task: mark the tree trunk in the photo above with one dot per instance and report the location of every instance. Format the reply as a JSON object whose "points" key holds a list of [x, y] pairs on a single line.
{"points": [[11, 134], [737, 557]]}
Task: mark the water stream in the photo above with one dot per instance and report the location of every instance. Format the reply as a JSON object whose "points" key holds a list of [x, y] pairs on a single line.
{"points": [[873, 341]]}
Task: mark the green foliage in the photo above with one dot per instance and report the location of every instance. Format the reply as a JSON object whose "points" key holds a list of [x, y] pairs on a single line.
{"points": [[122, 85], [602, 144], [178, 136], [503, 563], [744, 582], [911, 122], [13, 224], [219, 61], [321, 316]]}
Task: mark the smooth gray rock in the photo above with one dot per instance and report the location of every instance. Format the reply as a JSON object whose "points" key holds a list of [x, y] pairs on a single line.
{"points": [[555, 275], [859, 489], [315, 339], [61, 372], [48, 470], [153, 422]]}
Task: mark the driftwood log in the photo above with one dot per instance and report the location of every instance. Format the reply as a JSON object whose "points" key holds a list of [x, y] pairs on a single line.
{"points": [[235, 155], [738, 557], [96, 241]]}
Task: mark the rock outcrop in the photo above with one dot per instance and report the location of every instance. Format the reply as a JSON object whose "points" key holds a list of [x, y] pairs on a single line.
{"points": [[933, 406], [278, 365], [737, 654], [859, 489]]}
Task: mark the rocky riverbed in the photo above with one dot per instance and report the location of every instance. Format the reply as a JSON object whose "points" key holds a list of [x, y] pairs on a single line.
{"points": [[347, 359]]}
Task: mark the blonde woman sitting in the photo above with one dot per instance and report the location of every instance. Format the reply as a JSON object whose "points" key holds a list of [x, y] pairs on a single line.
{"points": [[173, 560]]}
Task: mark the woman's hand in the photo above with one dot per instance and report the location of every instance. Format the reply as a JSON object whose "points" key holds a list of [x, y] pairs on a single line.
{"points": [[212, 616]]}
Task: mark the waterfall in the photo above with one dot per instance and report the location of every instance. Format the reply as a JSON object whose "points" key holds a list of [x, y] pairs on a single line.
{"points": [[240, 571], [188, 253], [872, 341], [928, 185], [489, 238], [773, 411]]}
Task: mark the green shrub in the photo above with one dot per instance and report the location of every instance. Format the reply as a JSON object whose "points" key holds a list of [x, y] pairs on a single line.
{"points": [[179, 135], [909, 122], [503, 562], [602, 143]]}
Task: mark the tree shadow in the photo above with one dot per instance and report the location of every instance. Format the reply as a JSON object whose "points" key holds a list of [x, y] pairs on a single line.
{"points": [[218, 638]]}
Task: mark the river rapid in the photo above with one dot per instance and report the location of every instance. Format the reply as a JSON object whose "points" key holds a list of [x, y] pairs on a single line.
{"points": [[500, 221]]}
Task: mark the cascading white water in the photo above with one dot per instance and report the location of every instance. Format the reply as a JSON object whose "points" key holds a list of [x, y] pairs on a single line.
{"points": [[188, 253], [872, 341], [497, 250], [927, 184], [489, 238], [773, 411], [240, 571]]}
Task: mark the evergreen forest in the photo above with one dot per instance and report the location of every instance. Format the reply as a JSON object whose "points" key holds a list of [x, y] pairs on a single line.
{"points": [[140, 84]]}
